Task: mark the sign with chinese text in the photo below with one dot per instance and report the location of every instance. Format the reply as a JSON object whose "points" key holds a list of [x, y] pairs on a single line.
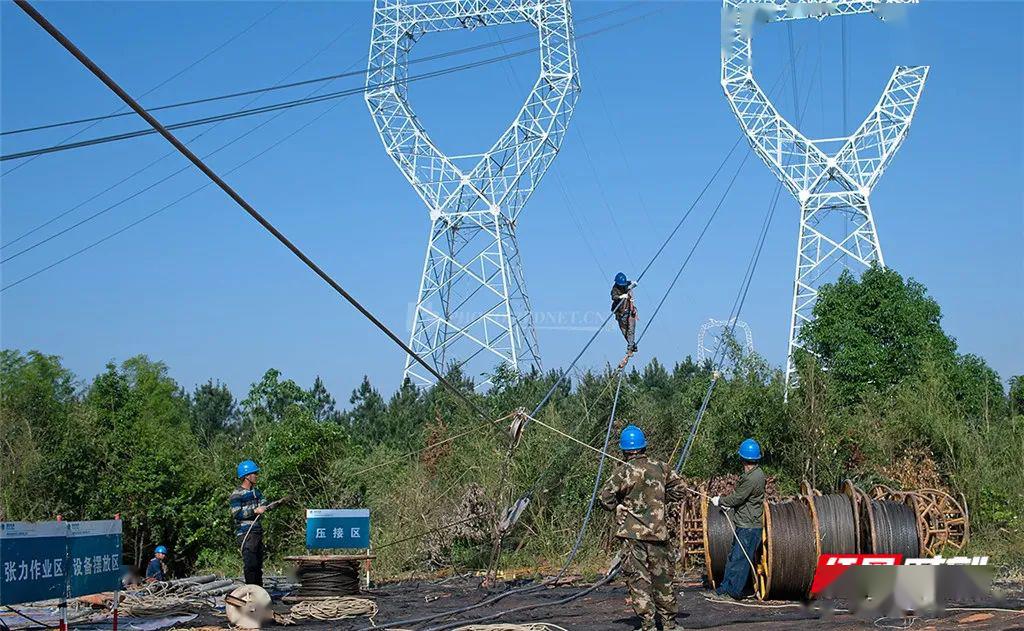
{"points": [[33, 561], [338, 528], [94, 557], [41, 561]]}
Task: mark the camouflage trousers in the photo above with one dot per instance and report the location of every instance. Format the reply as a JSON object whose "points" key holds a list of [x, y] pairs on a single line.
{"points": [[647, 567]]}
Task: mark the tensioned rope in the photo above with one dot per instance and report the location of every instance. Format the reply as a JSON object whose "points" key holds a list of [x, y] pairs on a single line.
{"points": [[620, 371], [719, 355], [54, 32], [164, 82], [65, 146], [172, 152], [284, 86]]}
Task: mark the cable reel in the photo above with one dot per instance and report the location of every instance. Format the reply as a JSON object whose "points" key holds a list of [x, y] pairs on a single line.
{"points": [[248, 607]]}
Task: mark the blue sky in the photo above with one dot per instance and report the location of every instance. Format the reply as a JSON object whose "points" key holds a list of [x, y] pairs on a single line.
{"points": [[202, 288]]}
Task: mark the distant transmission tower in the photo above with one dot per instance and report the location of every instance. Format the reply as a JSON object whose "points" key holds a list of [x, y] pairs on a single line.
{"points": [[706, 348], [472, 304], [832, 188]]}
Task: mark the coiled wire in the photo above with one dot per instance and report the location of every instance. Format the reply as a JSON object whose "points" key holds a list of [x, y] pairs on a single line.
{"points": [[895, 529], [790, 550], [327, 578], [719, 543], [837, 526]]}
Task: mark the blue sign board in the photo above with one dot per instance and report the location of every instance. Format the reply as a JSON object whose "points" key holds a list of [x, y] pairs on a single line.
{"points": [[94, 557], [40, 561], [33, 561], [338, 528]]}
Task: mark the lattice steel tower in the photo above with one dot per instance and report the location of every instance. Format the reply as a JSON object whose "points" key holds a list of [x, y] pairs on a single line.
{"points": [[472, 304], [832, 188]]}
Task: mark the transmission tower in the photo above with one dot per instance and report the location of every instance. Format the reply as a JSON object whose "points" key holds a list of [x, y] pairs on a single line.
{"points": [[832, 178], [707, 349], [472, 304]]}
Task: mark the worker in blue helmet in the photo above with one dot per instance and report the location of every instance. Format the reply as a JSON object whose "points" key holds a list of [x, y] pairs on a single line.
{"points": [[625, 310], [156, 571], [247, 506], [638, 493], [745, 508]]}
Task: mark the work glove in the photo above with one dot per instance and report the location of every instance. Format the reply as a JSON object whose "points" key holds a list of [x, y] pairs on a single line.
{"points": [[715, 500]]}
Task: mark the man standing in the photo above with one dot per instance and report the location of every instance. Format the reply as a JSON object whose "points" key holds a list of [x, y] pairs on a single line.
{"points": [[247, 506], [625, 310], [747, 503], [638, 492], [156, 571]]}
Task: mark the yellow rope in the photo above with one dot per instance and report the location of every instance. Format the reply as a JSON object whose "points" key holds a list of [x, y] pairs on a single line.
{"points": [[331, 608]]}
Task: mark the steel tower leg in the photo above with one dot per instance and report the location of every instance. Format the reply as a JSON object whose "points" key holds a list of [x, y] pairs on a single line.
{"points": [[834, 229]]}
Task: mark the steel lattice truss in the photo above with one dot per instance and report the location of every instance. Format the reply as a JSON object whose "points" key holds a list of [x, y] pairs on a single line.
{"points": [[833, 189], [473, 304], [708, 351]]}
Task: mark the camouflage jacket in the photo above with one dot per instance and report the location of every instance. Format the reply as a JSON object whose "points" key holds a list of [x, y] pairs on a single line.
{"points": [[638, 492]]}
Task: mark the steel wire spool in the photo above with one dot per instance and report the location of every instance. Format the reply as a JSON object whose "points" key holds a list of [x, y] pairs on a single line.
{"points": [[893, 529], [836, 524], [327, 578], [789, 557], [718, 540]]}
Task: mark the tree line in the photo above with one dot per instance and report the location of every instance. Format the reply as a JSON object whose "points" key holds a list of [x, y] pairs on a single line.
{"points": [[884, 393]]}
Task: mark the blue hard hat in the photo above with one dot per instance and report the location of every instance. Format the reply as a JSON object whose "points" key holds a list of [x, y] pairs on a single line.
{"points": [[621, 280], [750, 450], [632, 438], [246, 467], [160, 550]]}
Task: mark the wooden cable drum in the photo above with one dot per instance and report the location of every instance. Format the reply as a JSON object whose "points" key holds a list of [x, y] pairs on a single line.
{"points": [[691, 531], [718, 540], [789, 555], [835, 523]]}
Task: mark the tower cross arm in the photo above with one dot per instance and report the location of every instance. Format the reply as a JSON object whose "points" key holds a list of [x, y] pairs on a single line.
{"points": [[867, 153]]}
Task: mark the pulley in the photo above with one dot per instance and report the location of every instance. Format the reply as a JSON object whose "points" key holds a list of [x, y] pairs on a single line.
{"points": [[513, 514], [515, 430], [248, 607]]}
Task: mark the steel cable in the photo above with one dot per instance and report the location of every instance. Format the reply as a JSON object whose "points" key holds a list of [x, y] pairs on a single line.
{"points": [[790, 550], [327, 578], [720, 541], [894, 525], [837, 532]]}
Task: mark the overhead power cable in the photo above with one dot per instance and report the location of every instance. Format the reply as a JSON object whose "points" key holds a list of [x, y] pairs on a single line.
{"points": [[174, 76], [301, 102], [173, 152], [167, 177], [25, 6], [285, 86]]}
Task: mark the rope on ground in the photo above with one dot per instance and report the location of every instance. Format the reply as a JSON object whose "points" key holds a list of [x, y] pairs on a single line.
{"points": [[333, 608]]}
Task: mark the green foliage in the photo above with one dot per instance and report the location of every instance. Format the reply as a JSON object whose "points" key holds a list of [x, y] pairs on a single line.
{"points": [[885, 382]]}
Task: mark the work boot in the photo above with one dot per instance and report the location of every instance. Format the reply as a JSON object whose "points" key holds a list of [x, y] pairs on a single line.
{"points": [[632, 348]]}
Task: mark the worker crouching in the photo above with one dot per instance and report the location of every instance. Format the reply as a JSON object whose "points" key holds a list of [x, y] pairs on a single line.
{"points": [[638, 492], [746, 511]]}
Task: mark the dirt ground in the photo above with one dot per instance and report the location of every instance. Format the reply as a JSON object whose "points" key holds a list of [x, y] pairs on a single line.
{"points": [[606, 610]]}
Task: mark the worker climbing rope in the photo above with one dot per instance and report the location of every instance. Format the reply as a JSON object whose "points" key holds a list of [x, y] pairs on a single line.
{"points": [[625, 312], [638, 492]]}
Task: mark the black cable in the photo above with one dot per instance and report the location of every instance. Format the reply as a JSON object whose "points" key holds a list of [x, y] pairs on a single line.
{"points": [[25, 6], [300, 102], [837, 529], [164, 82], [153, 185], [789, 546], [190, 141], [285, 86], [895, 529], [326, 577]]}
